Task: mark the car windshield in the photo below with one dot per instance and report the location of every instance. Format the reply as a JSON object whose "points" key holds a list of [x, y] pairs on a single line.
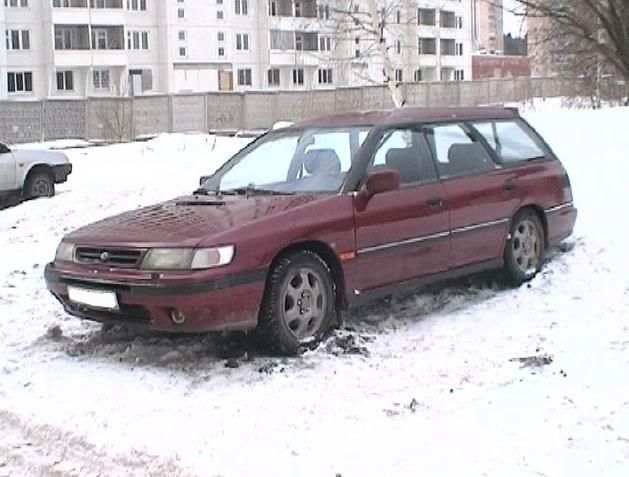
{"points": [[290, 161]]}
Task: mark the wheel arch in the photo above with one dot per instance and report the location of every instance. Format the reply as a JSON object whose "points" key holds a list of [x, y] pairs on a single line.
{"points": [[541, 215], [326, 253], [35, 168]]}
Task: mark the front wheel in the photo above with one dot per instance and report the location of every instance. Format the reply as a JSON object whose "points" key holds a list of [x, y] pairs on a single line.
{"points": [[40, 184], [524, 252], [299, 303]]}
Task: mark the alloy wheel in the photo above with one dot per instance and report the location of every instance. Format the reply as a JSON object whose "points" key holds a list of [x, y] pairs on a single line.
{"points": [[304, 303], [527, 247]]}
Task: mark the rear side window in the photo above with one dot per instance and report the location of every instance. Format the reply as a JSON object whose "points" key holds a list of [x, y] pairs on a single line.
{"points": [[511, 142], [456, 151], [405, 151]]}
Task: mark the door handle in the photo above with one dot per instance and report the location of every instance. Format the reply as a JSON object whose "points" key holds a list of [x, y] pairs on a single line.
{"points": [[508, 186], [435, 203]]}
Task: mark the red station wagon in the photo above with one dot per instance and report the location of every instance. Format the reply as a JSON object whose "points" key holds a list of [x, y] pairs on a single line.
{"points": [[310, 219]]}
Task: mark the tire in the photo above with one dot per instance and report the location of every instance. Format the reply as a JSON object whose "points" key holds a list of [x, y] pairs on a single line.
{"points": [[524, 251], [40, 184], [299, 303]]}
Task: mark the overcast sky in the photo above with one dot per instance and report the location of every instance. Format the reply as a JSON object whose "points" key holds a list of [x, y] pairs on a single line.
{"points": [[512, 23]]}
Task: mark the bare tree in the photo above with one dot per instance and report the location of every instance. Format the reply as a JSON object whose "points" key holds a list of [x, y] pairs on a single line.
{"points": [[587, 37], [373, 31]]}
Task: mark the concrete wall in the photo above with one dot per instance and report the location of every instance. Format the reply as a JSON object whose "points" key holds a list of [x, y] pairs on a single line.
{"points": [[119, 119]]}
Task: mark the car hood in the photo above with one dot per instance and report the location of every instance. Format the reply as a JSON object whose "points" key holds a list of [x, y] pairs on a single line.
{"points": [[32, 156], [184, 221]]}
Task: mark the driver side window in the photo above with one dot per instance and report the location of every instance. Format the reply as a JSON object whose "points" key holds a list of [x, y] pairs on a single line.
{"points": [[405, 151]]}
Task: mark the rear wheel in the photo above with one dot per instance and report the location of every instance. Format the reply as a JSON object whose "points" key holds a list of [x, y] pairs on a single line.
{"points": [[524, 252], [40, 184], [299, 303]]}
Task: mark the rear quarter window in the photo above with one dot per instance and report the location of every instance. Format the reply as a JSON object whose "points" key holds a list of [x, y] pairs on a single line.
{"points": [[511, 142]]}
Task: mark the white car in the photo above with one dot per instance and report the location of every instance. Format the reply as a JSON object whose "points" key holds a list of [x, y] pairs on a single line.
{"points": [[31, 172]]}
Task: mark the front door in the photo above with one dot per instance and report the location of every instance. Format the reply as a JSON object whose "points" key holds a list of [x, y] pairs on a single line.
{"points": [[480, 194], [7, 169], [402, 234]]}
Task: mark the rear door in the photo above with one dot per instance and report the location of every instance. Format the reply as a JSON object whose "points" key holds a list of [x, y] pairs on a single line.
{"points": [[402, 234], [7, 169], [481, 195]]}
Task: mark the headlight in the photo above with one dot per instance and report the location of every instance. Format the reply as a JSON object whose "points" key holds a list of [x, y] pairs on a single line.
{"points": [[187, 258], [65, 252]]}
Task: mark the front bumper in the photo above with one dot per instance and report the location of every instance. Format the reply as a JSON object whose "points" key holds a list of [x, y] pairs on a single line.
{"points": [[61, 172], [226, 303]]}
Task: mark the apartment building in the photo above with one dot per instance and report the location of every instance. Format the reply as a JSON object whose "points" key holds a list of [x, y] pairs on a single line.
{"points": [[488, 26], [78, 48]]}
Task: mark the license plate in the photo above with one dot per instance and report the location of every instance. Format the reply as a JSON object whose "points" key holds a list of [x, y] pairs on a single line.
{"points": [[95, 298]]}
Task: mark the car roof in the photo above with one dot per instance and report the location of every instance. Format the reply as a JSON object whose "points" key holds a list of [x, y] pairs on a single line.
{"points": [[387, 117]]}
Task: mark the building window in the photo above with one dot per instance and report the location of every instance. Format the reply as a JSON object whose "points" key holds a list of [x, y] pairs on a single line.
{"points": [[221, 51], [182, 35], [273, 8], [181, 13], [244, 77], [459, 22], [325, 43], [220, 15], [242, 41], [325, 76], [459, 75], [183, 52], [241, 7], [101, 37], [274, 77], [398, 47], [20, 82], [136, 5], [137, 40], [65, 81], [426, 16], [399, 76], [459, 49], [100, 78], [298, 76], [220, 36], [16, 3], [418, 76], [18, 39], [106, 3], [427, 46]]}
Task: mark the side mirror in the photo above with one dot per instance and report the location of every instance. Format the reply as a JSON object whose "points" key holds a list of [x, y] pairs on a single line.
{"points": [[4, 149], [381, 181], [202, 179]]}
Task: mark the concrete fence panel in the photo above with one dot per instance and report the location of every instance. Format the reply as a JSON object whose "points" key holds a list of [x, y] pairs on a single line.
{"points": [[65, 119], [501, 91], [376, 97], [442, 94], [260, 110], [21, 121], [322, 103], [189, 113], [225, 111], [110, 119], [151, 115], [349, 99], [474, 93]]}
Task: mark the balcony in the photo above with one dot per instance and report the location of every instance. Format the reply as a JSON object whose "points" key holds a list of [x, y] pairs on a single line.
{"points": [[104, 12], [73, 46]]}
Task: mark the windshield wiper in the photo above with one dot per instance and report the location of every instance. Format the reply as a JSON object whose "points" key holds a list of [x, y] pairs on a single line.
{"points": [[253, 190]]}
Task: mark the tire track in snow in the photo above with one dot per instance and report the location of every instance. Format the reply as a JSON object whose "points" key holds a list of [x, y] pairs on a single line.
{"points": [[43, 450]]}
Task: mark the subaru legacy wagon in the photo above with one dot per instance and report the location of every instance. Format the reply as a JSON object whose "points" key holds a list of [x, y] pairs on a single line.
{"points": [[321, 215]]}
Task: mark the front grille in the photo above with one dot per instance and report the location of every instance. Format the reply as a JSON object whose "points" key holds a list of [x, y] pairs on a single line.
{"points": [[107, 256]]}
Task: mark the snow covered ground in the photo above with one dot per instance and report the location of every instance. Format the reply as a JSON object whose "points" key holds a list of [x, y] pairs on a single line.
{"points": [[427, 385]]}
